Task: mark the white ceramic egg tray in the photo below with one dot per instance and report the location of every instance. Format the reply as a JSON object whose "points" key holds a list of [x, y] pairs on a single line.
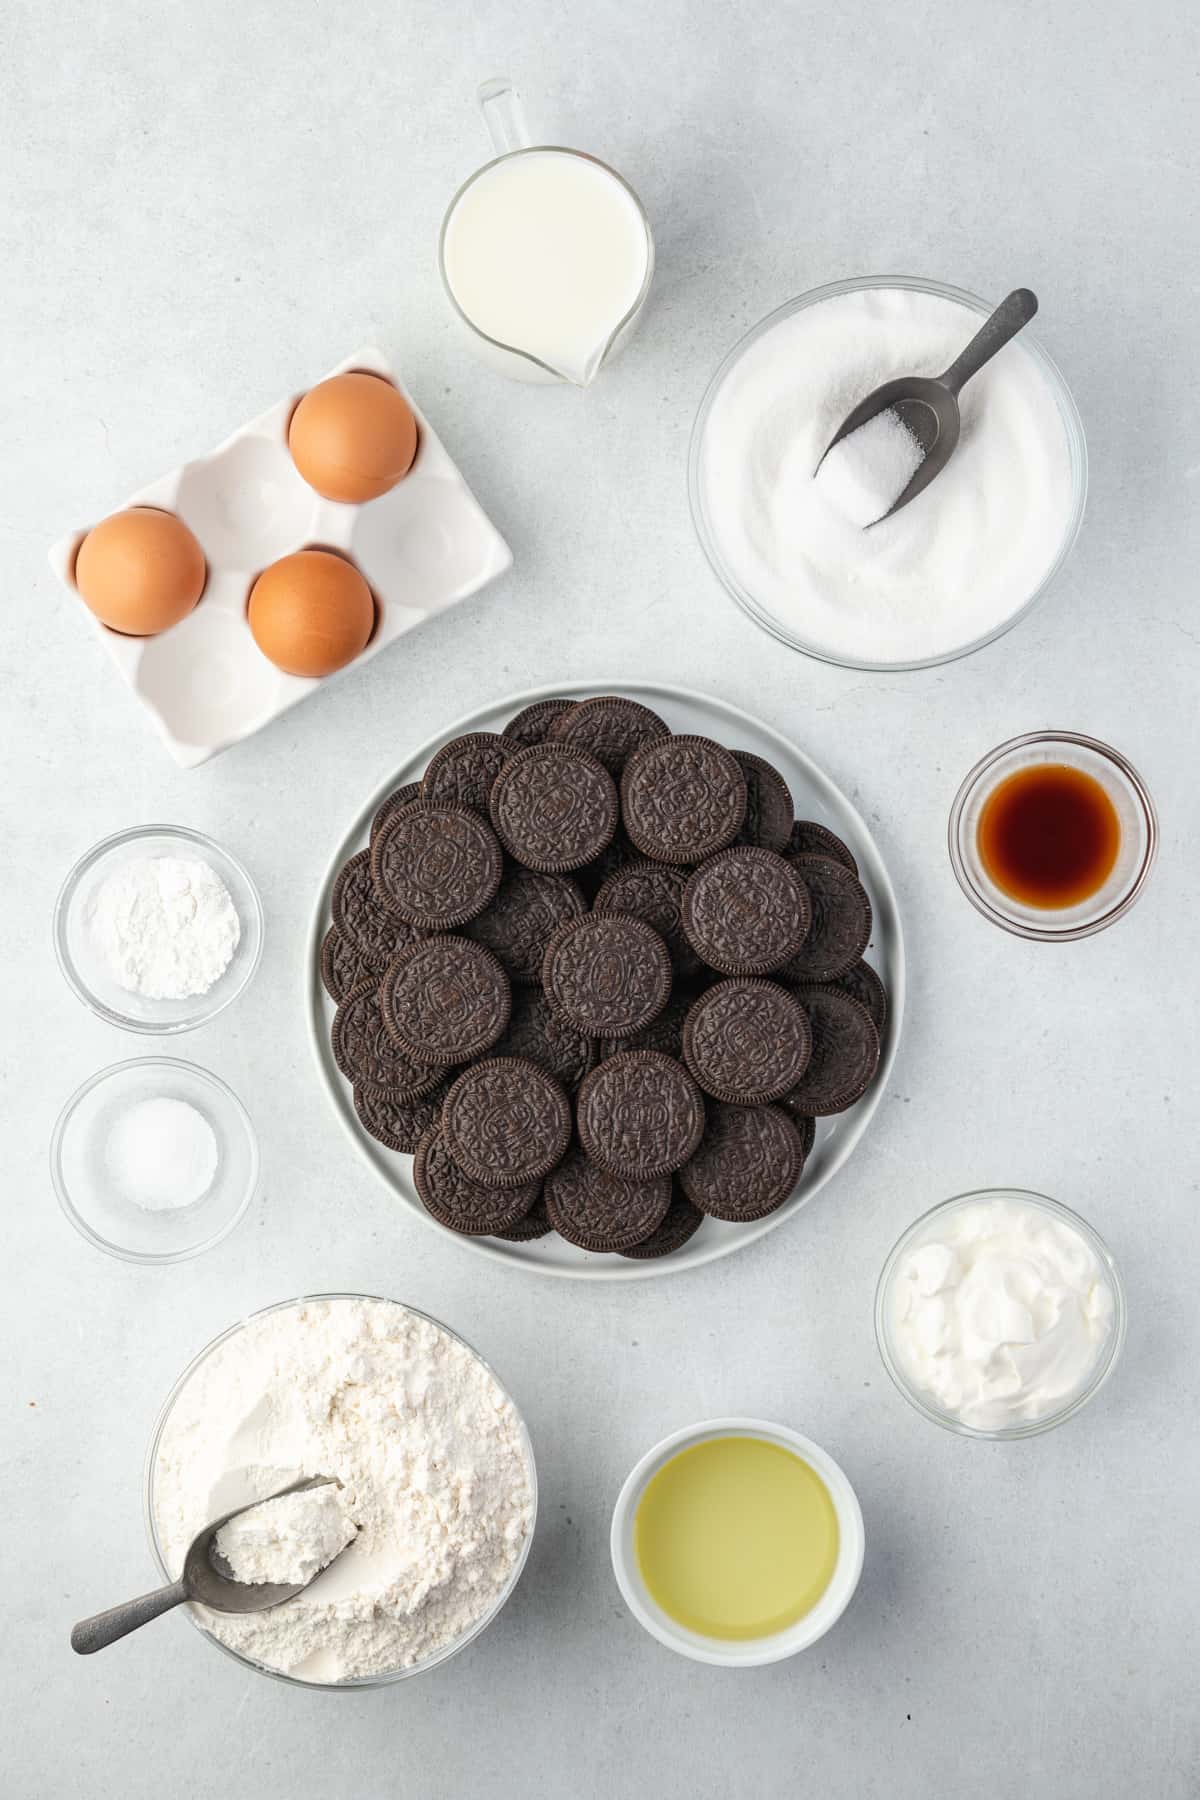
{"points": [[422, 547]]}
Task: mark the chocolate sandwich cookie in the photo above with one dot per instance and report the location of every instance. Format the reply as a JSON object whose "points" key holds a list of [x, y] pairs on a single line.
{"points": [[652, 892], [745, 911], [436, 866], [521, 920], [609, 728], [768, 821], [397, 1124], [362, 918], [445, 1000], [554, 807], [506, 1122], [748, 1163], [367, 1055], [463, 770], [747, 1041], [863, 984], [639, 1114], [807, 838], [616, 856], [598, 1211], [845, 1053], [463, 1205], [681, 1222], [841, 921], [535, 1224], [394, 803], [343, 965], [607, 973], [533, 722], [664, 1033], [536, 1031], [682, 799]]}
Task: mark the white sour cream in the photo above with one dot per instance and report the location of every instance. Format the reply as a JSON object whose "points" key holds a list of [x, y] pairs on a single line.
{"points": [[1001, 1315]]}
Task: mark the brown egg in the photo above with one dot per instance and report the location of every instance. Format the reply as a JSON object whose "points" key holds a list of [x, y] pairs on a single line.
{"points": [[353, 437], [311, 612], [140, 571]]}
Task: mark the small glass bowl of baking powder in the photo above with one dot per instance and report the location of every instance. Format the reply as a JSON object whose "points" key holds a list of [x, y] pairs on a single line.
{"points": [[154, 1160], [1087, 1253], [81, 918], [355, 1683]]}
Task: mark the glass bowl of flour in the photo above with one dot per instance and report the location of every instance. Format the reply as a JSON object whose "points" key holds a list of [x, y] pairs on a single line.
{"points": [[436, 1469], [948, 573], [158, 929]]}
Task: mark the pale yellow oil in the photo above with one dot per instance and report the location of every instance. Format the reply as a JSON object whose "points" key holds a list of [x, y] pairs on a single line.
{"points": [[736, 1538]]}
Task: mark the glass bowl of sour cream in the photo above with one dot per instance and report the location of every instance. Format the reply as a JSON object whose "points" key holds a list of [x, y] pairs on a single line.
{"points": [[1000, 1313], [950, 572]]}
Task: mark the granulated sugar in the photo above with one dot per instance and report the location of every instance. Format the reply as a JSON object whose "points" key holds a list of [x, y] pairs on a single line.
{"points": [[428, 1449], [949, 568], [865, 473]]}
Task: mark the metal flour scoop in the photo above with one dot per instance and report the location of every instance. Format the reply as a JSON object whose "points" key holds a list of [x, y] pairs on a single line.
{"points": [[202, 1580]]}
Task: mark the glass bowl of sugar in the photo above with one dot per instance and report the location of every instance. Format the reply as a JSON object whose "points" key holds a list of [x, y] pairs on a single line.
{"points": [[154, 1160], [946, 574], [157, 929]]}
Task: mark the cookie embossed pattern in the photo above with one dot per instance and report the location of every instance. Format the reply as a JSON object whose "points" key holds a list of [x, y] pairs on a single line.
{"points": [[574, 875]]}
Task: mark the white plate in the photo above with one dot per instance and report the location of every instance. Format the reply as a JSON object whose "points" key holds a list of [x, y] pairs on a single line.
{"points": [[815, 797], [422, 547]]}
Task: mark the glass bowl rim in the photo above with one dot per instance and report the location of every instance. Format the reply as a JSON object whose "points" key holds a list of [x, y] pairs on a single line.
{"points": [[1072, 428], [1026, 928], [147, 1258], [356, 1684], [1105, 1364], [72, 974]]}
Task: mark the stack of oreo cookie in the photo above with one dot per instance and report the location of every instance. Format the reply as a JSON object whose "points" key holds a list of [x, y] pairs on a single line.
{"points": [[597, 979]]}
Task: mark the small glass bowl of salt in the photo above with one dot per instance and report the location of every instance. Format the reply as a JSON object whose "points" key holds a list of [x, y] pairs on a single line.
{"points": [[157, 929], [154, 1160]]}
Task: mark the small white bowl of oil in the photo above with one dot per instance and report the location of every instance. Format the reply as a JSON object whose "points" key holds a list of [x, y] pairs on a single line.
{"points": [[737, 1542]]}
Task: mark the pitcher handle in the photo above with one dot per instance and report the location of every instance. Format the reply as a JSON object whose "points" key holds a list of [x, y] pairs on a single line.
{"points": [[503, 115]]}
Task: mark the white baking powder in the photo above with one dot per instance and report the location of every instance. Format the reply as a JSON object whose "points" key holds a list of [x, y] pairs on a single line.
{"points": [[289, 1539], [430, 1454], [949, 568], [161, 1154], [864, 474], [165, 926]]}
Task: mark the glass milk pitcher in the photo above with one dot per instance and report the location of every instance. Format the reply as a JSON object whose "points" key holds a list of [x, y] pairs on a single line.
{"points": [[545, 253]]}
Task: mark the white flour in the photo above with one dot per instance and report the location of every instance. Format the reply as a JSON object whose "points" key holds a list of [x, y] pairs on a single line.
{"points": [[165, 926], [428, 1449], [950, 567], [289, 1539]]}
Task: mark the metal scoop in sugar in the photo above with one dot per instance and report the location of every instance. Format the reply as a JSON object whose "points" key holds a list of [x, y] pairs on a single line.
{"points": [[927, 405]]}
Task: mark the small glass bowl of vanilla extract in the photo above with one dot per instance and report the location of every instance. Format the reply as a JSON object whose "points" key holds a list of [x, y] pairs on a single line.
{"points": [[1053, 836]]}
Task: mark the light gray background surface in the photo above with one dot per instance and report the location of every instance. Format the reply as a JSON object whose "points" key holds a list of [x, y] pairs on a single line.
{"points": [[202, 208]]}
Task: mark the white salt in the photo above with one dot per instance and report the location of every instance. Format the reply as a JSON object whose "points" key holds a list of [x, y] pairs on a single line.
{"points": [[865, 473], [161, 1154]]}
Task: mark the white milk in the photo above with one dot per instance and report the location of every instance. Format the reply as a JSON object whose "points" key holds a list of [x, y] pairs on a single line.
{"points": [[547, 252]]}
